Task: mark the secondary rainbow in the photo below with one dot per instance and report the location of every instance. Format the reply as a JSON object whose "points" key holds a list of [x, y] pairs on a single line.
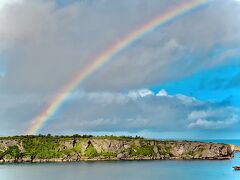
{"points": [[38, 122]]}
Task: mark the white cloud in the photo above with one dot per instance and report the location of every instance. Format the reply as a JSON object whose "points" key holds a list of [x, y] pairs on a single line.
{"points": [[112, 112], [218, 118], [162, 92], [134, 94], [130, 112], [197, 115], [208, 124], [4, 3], [145, 92], [186, 99]]}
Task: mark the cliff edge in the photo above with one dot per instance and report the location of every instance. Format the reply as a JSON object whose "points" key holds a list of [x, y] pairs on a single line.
{"points": [[78, 148]]}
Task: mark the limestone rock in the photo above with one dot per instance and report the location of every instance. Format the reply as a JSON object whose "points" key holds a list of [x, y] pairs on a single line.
{"points": [[74, 149]]}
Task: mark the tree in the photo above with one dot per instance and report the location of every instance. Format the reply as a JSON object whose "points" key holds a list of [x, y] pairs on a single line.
{"points": [[13, 151]]}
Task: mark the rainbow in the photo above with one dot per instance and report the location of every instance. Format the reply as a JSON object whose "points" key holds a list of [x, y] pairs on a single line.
{"points": [[38, 122]]}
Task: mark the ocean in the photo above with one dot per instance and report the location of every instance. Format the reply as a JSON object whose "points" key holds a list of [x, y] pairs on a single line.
{"points": [[121, 170]]}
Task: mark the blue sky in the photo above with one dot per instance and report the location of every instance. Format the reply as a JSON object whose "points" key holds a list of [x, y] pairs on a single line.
{"points": [[180, 81], [217, 84]]}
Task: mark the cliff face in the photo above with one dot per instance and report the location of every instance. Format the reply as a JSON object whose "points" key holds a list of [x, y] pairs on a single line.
{"points": [[51, 149]]}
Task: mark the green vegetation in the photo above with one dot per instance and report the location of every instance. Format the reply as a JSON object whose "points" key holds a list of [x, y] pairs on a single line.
{"points": [[190, 153], [165, 151], [108, 154], [142, 150], [48, 147], [196, 152], [237, 148], [199, 150], [13, 152], [75, 136], [91, 152], [66, 151], [120, 137], [76, 147], [2, 154], [41, 148]]}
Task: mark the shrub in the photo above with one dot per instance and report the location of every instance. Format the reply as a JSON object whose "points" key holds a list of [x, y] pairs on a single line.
{"points": [[77, 148], [108, 154], [91, 152], [143, 150], [2, 154], [87, 136], [165, 151], [42, 148], [190, 153], [13, 152]]}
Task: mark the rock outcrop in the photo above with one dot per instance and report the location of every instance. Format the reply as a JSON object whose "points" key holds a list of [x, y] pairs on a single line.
{"points": [[55, 149]]}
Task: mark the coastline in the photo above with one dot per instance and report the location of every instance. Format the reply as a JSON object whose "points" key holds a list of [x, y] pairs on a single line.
{"points": [[110, 159], [57, 149]]}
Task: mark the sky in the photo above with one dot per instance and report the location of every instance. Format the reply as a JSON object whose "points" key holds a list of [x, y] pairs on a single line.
{"points": [[180, 81]]}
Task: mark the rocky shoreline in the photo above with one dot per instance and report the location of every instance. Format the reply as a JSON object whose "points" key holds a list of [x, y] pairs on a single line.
{"points": [[38, 149]]}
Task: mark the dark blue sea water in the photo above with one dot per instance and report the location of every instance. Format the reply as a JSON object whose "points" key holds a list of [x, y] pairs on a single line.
{"points": [[120, 170]]}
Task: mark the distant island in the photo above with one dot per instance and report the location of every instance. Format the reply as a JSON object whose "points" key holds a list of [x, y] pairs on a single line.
{"points": [[49, 148]]}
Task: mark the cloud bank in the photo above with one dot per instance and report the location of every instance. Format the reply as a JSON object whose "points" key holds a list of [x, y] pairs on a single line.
{"points": [[130, 112]]}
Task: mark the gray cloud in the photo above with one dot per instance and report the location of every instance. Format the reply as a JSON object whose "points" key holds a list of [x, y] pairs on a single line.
{"points": [[100, 111], [206, 124], [213, 119], [45, 45], [112, 112]]}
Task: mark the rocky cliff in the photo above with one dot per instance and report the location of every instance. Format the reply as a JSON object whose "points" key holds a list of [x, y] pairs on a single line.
{"points": [[62, 149]]}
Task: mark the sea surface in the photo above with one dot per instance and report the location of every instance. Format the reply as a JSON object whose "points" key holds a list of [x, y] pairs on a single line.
{"points": [[121, 170]]}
